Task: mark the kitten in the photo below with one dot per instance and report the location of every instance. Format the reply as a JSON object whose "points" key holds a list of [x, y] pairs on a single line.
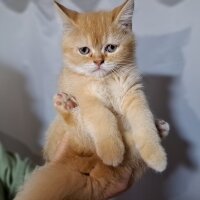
{"points": [[112, 127], [100, 72]]}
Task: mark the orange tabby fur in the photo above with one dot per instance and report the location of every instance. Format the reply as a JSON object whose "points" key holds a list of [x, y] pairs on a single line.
{"points": [[113, 127]]}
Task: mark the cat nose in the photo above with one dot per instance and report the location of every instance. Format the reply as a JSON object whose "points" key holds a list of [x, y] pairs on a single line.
{"points": [[99, 62]]}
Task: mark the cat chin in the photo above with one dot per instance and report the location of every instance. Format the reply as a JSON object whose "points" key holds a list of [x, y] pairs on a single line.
{"points": [[96, 74], [99, 74]]}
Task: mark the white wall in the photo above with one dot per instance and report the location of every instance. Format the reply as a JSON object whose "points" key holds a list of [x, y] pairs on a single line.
{"points": [[168, 55]]}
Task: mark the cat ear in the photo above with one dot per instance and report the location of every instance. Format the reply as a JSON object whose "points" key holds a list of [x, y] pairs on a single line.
{"points": [[124, 13], [68, 16]]}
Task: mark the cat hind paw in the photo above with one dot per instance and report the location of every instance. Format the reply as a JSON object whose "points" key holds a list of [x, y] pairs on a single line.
{"points": [[157, 160], [163, 127], [111, 152]]}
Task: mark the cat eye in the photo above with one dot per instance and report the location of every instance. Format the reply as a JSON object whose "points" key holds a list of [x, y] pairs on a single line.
{"points": [[110, 48], [84, 50]]}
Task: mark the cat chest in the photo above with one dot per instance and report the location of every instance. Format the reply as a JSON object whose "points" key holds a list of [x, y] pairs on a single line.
{"points": [[109, 94], [112, 97]]}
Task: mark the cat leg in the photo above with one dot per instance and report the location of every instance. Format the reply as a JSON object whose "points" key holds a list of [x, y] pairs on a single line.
{"points": [[128, 171], [145, 135], [80, 178], [64, 104], [65, 121], [102, 125]]}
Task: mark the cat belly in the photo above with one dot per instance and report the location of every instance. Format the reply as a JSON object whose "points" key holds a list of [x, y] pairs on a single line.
{"points": [[77, 138]]}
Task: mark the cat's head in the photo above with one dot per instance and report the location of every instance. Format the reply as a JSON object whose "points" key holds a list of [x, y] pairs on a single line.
{"points": [[97, 44]]}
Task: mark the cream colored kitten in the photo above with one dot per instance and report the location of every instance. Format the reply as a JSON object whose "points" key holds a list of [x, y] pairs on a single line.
{"points": [[112, 130], [100, 71]]}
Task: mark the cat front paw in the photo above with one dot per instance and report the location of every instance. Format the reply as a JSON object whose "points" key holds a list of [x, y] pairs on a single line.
{"points": [[64, 102], [111, 151], [155, 157]]}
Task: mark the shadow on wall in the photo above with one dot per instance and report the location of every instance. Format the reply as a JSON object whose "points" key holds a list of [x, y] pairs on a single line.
{"points": [[163, 53], [21, 6], [13, 145], [158, 89], [17, 117], [17, 6], [86, 5], [163, 91], [170, 2]]}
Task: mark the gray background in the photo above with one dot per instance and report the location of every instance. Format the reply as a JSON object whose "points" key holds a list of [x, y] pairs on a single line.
{"points": [[168, 55]]}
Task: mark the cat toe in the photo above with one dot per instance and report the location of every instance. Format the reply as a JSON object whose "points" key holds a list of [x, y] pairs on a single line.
{"points": [[111, 152]]}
